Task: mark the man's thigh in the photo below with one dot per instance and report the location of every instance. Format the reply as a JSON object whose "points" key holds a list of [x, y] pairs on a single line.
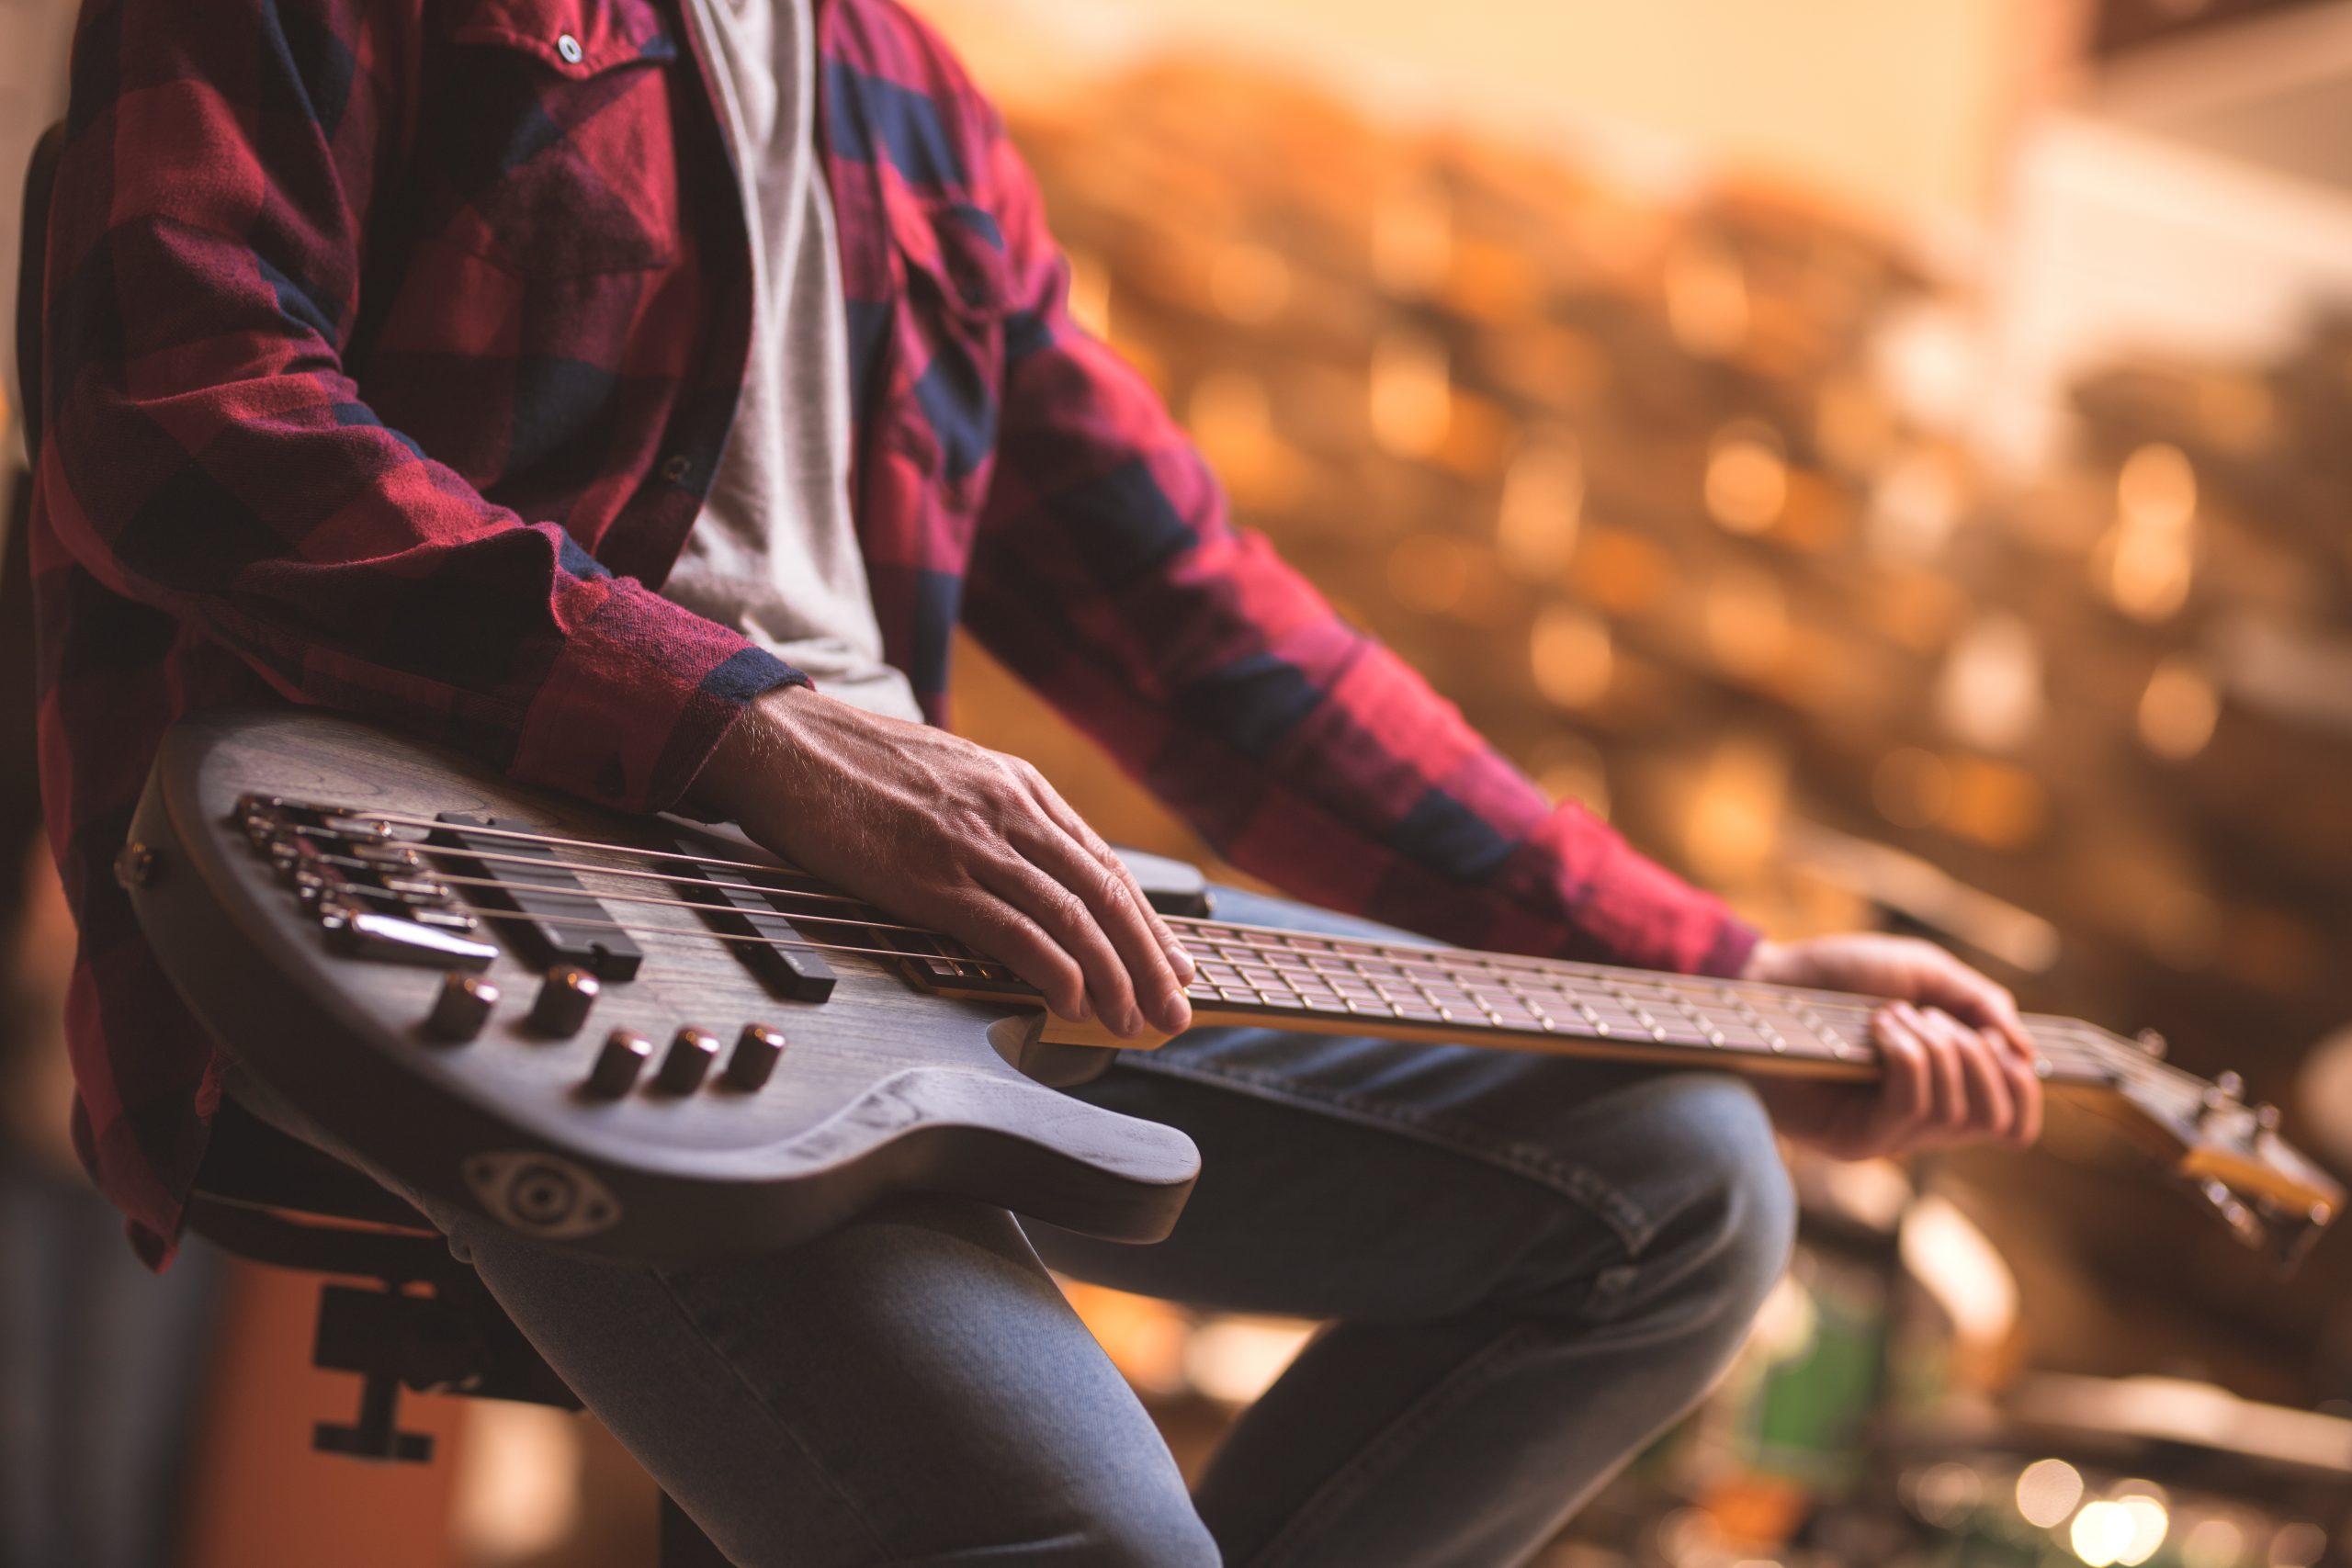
{"points": [[1372, 1179], [909, 1388]]}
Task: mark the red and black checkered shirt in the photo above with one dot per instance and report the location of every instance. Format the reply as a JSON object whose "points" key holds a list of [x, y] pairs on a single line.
{"points": [[390, 347]]}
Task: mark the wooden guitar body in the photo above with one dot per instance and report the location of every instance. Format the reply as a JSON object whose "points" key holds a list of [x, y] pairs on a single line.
{"points": [[881, 1088], [636, 1037]]}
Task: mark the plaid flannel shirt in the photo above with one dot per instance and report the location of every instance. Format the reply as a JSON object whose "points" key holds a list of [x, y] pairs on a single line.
{"points": [[390, 347]]}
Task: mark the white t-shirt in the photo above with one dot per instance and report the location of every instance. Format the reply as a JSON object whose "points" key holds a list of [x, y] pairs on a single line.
{"points": [[775, 554]]}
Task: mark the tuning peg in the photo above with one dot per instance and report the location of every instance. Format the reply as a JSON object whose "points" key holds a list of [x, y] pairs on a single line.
{"points": [[2267, 1118], [2242, 1221], [2292, 1239], [564, 1001], [461, 1007], [2225, 1092], [2151, 1041]]}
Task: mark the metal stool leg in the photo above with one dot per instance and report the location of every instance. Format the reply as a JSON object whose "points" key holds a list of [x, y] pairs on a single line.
{"points": [[683, 1544]]}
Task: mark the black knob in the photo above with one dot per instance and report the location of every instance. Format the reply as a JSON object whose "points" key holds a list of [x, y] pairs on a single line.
{"points": [[619, 1064], [756, 1052], [564, 999], [461, 1007], [688, 1063]]}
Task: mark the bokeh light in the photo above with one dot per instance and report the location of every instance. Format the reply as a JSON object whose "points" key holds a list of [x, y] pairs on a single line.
{"points": [[1748, 478], [1572, 656], [2048, 1490], [2151, 1520], [2100, 1534], [2297, 1545], [1535, 530], [2213, 1543], [1412, 394], [2178, 710]]}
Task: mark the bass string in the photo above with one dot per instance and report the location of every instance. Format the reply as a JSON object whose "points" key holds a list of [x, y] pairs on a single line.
{"points": [[992, 970], [2075, 1043], [1210, 929], [877, 922], [1454, 965], [1283, 956], [535, 891], [1449, 959], [443, 852], [590, 923], [397, 818]]}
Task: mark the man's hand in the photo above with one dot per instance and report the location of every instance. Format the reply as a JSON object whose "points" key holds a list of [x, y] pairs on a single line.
{"points": [[957, 838], [1958, 1065]]}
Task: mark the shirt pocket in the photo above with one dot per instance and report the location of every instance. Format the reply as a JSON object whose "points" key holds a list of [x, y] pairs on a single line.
{"points": [[951, 265], [553, 152]]}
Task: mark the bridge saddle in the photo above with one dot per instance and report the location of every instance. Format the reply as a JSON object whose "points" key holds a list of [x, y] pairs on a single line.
{"points": [[374, 896]]}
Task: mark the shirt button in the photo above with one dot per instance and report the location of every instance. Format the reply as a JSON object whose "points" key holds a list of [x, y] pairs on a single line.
{"points": [[674, 467], [569, 47]]}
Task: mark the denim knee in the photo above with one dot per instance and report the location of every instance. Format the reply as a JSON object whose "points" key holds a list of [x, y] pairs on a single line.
{"points": [[1160, 1533], [1721, 1243], [1685, 1171]]}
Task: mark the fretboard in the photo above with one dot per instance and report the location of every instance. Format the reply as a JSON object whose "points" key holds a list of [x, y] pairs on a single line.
{"points": [[1254, 975]]}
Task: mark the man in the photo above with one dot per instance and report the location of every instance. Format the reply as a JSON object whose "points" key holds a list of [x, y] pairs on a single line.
{"points": [[572, 380]]}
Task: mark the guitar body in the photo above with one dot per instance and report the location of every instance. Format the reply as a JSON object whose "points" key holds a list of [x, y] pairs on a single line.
{"points": [[882, 1088]]}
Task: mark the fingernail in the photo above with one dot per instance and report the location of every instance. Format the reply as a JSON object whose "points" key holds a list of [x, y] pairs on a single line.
{"points": [[1133, 1024]]}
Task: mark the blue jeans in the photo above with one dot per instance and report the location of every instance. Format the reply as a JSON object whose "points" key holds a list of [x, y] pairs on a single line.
{"points": [[1530, 1266]]}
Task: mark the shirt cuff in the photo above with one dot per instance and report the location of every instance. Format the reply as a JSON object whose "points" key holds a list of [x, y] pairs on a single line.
{"points": [[639, 698], [1735, 941]]}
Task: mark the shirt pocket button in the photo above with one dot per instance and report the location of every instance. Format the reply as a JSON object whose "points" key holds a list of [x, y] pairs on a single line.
{"points": [[675, 468]]}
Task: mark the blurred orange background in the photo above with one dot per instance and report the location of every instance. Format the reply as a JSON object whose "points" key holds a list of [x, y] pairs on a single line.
{"points": [[1888, 459]]}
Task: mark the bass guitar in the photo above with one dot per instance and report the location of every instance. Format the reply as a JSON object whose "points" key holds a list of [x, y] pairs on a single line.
{"points": [[644, 1038]]}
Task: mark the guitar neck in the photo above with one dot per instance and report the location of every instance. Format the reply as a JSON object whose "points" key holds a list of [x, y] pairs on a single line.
{"points": [[1255, 976]]}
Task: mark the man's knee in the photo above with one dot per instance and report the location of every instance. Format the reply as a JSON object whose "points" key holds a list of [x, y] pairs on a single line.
{"points": [[1158, 1532], [1723, 1240]]}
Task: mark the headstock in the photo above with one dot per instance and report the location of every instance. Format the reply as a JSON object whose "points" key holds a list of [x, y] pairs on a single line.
{"points": [[2225, 1151]]}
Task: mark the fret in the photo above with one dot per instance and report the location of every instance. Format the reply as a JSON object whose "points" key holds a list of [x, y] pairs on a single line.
{"points": [[1709, 1033]]}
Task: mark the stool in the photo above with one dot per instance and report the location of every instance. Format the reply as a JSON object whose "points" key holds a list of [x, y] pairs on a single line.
{"points": [[429, 1325]]}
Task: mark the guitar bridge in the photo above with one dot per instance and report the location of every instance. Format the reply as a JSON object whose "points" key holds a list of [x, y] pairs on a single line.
{"points": [[375, 896]]}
